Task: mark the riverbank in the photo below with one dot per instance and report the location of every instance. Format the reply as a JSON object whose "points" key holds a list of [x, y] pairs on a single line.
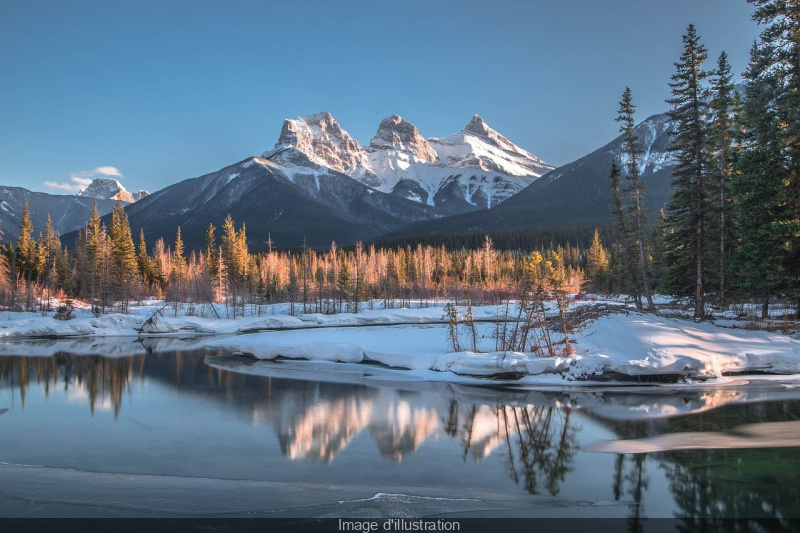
{"points": [[607, 340]]}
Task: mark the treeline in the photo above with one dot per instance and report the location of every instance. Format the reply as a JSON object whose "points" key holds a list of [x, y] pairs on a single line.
{"points": [[107, 269], [512, 239], [732, 227]]}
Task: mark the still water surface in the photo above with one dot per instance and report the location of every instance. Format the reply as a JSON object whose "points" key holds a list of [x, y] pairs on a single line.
{"points": [[182, 433]]}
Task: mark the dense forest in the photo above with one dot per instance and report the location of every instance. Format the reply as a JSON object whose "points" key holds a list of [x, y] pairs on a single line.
{"points": [[107, 269], [732, 228]]}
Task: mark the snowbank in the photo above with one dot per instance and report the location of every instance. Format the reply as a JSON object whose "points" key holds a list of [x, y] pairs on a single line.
{"points": [[638, 345], [612, 347], [617, 346], [33, 325]]}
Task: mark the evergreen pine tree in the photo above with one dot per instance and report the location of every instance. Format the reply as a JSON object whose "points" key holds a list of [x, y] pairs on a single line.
{"points": [[688, 210], [229, 254], [26, 246], [624, 268], [123, 255], [143, 262], [178, 273], [344, 281], [780, 43], [210, 251], [48, 254], [94, 253], [635, 190], [597, 263], [722, 134], [758, 261]]}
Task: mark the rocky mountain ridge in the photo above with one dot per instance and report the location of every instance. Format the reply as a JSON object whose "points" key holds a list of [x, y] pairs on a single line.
{"points": [[475, 168]]}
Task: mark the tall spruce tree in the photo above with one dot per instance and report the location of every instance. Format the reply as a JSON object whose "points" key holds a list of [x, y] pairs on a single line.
{"points": [[688, 210], [758, 186], [624, 262], [48, 255], [211, 251], [635, 190], [26, 246], [231, 260], [143, 262], [597, 264], [94, 253], [722, 136], [178, 273], [123, 255]]}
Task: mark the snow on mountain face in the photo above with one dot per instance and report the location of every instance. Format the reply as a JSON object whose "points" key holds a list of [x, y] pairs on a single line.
{"points": [[394, 133], [68, 212], [110, 189], [478, 145], [474, 168], [654, 141], [323, 141], [477, 166]]}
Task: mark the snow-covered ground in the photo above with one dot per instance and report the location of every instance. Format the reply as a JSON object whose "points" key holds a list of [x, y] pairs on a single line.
{"points": [[616, 346], [619, 346], [202, 320]]}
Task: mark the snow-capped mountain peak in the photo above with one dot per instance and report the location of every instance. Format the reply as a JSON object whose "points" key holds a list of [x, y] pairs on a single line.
{"points": [[110, 189], [479, 146], [477, 126], [322, 141], [394, 133]]}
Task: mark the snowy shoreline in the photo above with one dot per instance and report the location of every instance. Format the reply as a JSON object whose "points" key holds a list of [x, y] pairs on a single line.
{"points": [[617, 347]]}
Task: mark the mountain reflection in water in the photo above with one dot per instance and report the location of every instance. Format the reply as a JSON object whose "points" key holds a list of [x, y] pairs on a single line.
{"points": [[542, 442]]}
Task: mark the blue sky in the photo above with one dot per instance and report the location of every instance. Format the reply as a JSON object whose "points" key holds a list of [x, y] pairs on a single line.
{"points": [[157, 92]]}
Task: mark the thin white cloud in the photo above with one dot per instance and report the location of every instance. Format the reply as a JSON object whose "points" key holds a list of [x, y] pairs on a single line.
{"points": [[108, 171], [81, 180], [64, 186]]}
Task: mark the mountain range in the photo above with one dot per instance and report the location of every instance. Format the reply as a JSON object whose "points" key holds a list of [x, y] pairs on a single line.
{"points": [[318, 184], [577, 194], [474, 168], [67, 212]]}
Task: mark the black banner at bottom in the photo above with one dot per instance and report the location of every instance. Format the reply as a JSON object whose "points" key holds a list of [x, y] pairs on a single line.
{"points": [[398, 525]]}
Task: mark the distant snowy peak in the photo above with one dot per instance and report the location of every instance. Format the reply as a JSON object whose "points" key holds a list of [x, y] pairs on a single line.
{"points": [[110, 189], [394, 133], [323, 141], [654, 143]]}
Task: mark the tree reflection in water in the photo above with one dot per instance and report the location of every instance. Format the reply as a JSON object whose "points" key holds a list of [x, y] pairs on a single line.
{"points": [[631, 482], [756, 485], [747, 483], [538, 443], [104, 381]]}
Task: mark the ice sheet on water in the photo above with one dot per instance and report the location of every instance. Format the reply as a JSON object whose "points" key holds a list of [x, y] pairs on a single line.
{"points": [[43, 491], [762, 435]]}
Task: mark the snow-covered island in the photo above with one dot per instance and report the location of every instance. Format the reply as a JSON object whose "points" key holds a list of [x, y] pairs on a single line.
{"points": [[616, 344]]}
